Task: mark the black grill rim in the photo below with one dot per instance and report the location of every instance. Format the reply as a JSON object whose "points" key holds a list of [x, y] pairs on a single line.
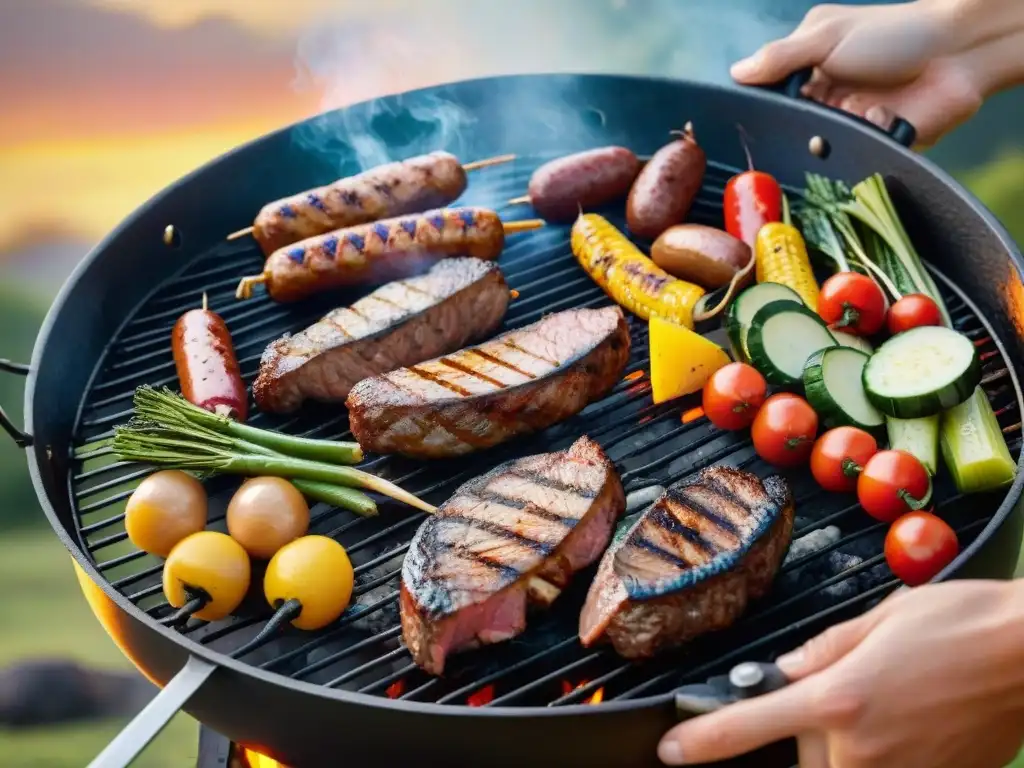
{"points": [[37, 456]]}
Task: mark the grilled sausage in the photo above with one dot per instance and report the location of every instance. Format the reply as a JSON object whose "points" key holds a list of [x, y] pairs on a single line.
{"points": [[558, 189], [703, 255], [207, 367], [667, 186], [382, 251], [394, 189]]}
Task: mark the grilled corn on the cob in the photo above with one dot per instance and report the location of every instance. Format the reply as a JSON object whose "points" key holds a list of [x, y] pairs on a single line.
{"points": [[780, 254], [628, 276]]}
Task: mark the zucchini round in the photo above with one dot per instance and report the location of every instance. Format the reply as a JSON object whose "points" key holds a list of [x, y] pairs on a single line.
{"points": [[782, 336], [854, 342], [922, 372], [832, 384], [745, 306]]}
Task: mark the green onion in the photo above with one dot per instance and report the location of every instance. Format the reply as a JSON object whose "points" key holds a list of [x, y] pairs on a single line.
{"points": [[164, 406], [338, 496]]}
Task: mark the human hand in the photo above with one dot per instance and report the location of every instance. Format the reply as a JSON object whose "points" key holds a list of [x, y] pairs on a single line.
{"points": [[932, 677], [910, 60]]}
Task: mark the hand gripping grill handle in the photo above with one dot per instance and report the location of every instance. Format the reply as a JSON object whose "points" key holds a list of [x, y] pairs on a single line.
{"points": [[901, 131], [20, 438], [744, 681]]}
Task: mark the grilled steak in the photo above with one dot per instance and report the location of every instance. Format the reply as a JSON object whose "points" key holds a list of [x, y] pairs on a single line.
{"points": [[691, 562], [512, 536], [401, 323], [519, 382]]}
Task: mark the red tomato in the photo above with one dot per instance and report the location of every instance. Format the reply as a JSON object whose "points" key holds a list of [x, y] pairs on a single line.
{"points": [[751, 200], [891, 484], [733, 395], [784, 430], [838, 457], [913, 311], [853, 303], [918, 546]]}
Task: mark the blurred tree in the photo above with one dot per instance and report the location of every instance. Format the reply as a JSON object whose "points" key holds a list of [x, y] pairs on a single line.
{"points": [[1000, 185], [20, 317]]}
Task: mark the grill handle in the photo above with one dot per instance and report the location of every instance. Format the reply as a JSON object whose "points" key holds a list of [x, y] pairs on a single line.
{"points": [[145, 726], [744, 681], [21, 439], [901, 131]]}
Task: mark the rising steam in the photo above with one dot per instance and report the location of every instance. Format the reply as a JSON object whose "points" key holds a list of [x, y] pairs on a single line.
{"points": [[394, 46]]}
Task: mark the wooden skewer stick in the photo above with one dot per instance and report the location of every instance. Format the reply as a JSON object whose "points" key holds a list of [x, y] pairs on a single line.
{"points": [[244, 290], [523, 200], [205, 302], [241, 233], [525, 225], [488, 162]]}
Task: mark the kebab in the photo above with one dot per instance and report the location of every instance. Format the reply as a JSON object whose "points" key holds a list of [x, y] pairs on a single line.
{"points": [[393, 189], [382, 251]]}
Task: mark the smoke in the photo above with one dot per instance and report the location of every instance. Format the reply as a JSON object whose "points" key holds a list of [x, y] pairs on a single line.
{"points": [[353, 55]]}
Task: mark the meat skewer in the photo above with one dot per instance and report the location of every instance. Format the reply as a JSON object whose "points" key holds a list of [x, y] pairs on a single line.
{"points": [[512, 537], [382, 251], [402, 323], [393, 189], [207, 368]]}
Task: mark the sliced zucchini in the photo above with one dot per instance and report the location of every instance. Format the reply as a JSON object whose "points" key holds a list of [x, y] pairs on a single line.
{"points": [[851, 341], [782, 336], [919, 437], [832, 383], [922, 372], [973, 446], [745, 306]]}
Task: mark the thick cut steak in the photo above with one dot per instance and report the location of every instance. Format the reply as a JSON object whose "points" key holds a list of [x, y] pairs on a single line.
{"points": [[690, 563], [517, 383], [512, 536], [401, 323]]}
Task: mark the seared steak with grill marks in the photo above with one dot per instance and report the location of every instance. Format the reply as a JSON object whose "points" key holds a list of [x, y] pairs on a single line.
{"points": [[517, 383], [691, 562], [401, 323], [512, 536]]}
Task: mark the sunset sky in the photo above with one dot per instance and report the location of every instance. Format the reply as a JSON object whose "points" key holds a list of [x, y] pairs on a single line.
{"points": [[103, 102]]}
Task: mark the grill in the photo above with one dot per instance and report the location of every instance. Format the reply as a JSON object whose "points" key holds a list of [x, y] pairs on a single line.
{"points": [[835, 567]]}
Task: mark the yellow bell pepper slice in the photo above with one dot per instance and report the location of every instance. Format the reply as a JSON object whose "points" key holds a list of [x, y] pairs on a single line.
{"points": [[681, 360]]}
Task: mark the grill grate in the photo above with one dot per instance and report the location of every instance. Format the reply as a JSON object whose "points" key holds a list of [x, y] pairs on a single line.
{"points": [[834, 569]]}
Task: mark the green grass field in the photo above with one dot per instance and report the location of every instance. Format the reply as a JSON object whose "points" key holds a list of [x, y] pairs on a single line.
{"points": [[45, 614]]}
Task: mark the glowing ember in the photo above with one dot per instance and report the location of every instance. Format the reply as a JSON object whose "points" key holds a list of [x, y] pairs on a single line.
{"points": [[595, 698], [514, 293], [253, 759], [396, 689], [484, 696], [692, 415], [634, 376]]}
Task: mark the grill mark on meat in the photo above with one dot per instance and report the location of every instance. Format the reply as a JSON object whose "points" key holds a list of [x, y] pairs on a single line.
{"points": [[331, 321], [498, 361], [355, 311], [382, 300], [469, 371], [691, 563], [469, 571], [512, 345], [439, 380], [415, 289]]}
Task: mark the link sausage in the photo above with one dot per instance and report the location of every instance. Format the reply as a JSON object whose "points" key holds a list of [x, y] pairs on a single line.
{"points": [[559, 189], [394, 189], [207, 367], [667, 186], [703, 255], [381, 252]]}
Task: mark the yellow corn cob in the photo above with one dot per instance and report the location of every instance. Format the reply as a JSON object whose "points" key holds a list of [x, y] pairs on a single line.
{"points": [[781, 257], [630, 278]]}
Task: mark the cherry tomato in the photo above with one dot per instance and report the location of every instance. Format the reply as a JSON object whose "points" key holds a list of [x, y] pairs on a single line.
{"points": [[733, 395], [891, 484], [265, 514], [784, 429], [165, 508], [838, 457], [918, 546], [751, 200], [913, 311], [853, 303], [212, 562], [316, 571]]}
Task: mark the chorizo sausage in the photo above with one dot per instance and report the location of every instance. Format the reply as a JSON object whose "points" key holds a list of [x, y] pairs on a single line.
{"points": [[559, 189], [666, 187], [207, 367]]}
